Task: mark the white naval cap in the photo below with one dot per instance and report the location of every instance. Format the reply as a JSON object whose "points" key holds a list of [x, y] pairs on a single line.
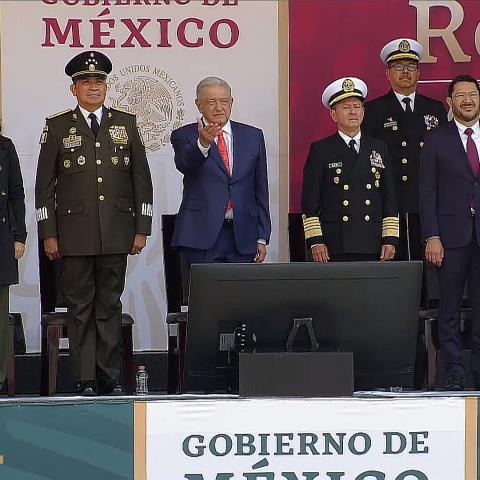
{"points": [[343, 88], [401, 48]]}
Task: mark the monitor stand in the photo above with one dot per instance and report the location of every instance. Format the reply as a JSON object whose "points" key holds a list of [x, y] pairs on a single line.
{"points": [[303, 322]]}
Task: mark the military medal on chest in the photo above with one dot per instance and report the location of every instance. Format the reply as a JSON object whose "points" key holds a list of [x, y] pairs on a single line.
{"points": [[118, 133], [376, 160], [72, 141]]}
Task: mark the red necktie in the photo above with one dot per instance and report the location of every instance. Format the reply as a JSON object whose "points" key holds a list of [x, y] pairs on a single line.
{"points": [[222, 148], [472, 152]]}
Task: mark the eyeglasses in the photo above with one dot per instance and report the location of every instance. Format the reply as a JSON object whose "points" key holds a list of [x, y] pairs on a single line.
{"points": [[463, 95], [399, 67]]}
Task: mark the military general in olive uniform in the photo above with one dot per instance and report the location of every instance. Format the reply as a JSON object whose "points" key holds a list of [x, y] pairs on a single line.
{"points": [[401, 118], [93, 199], [348, 196]]}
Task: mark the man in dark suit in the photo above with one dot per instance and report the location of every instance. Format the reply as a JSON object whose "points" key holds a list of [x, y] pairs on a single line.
{"points": [[348, 195], [224, 215], [401, 118], [13, 235], [449, 206], [93, 198]]}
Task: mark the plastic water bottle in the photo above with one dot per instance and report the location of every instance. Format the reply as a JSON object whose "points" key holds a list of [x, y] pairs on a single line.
{"points": [[141, 381]]}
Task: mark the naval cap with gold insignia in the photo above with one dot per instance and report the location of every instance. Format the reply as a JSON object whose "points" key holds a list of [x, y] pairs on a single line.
{"points": [[89, 63], [342, 88], [400, 49]]}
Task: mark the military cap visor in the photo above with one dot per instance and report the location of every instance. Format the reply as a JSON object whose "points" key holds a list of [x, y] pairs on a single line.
{"points": [[344, 88], [401, 49], [89, 63]]}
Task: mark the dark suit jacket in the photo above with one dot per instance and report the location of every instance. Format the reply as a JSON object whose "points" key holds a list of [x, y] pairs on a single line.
{"points": [[207, 188], [94, 194], [353, 198], [12, 211], [404, 135], [447, 186]]}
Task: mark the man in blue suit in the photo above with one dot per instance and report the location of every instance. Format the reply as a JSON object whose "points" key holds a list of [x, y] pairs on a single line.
{"points": [[450, 219], [224, 215]]}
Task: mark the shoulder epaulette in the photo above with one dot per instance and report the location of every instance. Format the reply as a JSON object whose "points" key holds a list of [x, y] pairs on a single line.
{"points": [[59, 113], [123, 110]]}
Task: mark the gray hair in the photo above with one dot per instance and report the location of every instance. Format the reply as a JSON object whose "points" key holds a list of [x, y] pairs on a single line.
{"points": [[212, 81]]}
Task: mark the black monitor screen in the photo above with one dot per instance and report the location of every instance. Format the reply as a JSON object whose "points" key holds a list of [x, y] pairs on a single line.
{"points": [[368, 308]]}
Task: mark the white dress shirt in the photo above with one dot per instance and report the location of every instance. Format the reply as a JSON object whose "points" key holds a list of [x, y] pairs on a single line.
{"points": [[400, 98], [347, 139], [227, 135], [475, 135], [98, 113]]}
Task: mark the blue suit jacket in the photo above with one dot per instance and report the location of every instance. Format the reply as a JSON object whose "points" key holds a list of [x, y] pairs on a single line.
{"points": [[447, 185], [207, 188]]}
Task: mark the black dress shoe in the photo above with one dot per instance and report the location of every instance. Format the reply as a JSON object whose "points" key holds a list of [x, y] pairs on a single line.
{"points": [[111, 387], [86, 389], [453, 383]]}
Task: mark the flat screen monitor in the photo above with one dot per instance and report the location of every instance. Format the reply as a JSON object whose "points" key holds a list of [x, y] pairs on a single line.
{"points": [[368, 308]]}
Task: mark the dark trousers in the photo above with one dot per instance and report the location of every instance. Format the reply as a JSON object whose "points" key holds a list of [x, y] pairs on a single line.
{"points": [[459, 264], [410, 245], [4, 340], [92, 286], [224, 250]]}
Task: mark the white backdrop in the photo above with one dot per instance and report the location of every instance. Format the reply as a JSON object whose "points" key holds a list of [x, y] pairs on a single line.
{"points": [[159, 49]]}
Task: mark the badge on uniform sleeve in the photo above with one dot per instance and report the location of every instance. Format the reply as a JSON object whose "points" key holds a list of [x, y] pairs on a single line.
{"points": [[43, 136], [141, 137], [81, 160], [115, 160], [72, 131], [336, 179], [126, 160], [377, 183], [67, 163], [118, 134]]}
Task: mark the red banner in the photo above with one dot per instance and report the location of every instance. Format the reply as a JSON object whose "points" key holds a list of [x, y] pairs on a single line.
{"points": [[331, 39]]}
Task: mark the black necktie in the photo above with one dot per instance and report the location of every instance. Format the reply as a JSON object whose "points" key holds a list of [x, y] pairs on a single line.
{"points": [[407, 102], [352, 144], [94, 123]]}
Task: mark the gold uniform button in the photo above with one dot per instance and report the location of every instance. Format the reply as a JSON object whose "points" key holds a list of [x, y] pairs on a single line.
{"points": [[346, 187], [404, 143], [99, 162], [69, 211], [374, 169], [367, 202], [421, 144], [345, 202], [99, 179], [367, 218], [404, 178], [369, 186], [345, 218], [404, 161], [338, 171], [97, 144], [101, 198]]}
